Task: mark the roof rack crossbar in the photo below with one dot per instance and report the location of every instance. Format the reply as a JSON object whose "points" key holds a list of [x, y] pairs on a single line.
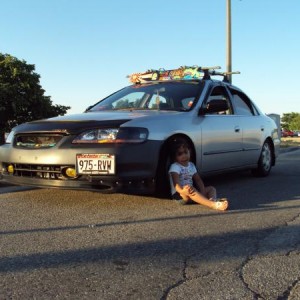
{"points": [[224, 74]]}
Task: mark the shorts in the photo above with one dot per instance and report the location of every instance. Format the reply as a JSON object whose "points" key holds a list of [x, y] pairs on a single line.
{"points": [[179, 199]]}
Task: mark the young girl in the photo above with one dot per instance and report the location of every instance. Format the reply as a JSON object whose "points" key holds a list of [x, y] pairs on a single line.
{"points": [[183, 174]]}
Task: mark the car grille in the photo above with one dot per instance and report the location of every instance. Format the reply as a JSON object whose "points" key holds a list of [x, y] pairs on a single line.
{"points": [[38, 171], [36, 141]]}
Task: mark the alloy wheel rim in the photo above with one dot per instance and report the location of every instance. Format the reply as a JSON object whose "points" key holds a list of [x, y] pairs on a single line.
{"points": [[266, 157]]}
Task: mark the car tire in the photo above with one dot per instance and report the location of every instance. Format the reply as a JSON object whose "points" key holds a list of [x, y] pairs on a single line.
{"points": [[162, 184], [265, 161]]}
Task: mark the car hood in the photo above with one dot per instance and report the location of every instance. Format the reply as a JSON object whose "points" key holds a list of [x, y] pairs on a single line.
{"points": [[70, 124]]}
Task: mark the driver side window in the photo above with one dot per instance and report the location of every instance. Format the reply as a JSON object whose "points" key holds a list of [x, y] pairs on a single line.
{"points": [[219, 92]]}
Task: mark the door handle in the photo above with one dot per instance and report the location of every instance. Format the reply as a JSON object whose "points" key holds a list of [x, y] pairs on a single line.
{"points": [[237, 129]]}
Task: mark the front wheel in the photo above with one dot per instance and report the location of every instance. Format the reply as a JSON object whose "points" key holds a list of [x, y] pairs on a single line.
{"points": [[265, 161]]}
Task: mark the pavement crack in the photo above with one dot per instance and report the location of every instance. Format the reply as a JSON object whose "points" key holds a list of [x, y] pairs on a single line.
{"points": [[240, 273], [179, 282], [286, 294], [272, 270]]}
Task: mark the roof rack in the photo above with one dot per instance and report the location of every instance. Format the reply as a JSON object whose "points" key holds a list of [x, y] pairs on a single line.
{"points": [[181, 73], [224, 74]]}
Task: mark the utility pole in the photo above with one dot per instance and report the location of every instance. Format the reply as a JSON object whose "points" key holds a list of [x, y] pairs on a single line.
{"points": [[228, 43]]}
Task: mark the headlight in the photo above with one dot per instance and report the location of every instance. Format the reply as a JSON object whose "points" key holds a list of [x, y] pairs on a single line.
{"points": [[112, 135], [96, 136], [10, 137]]}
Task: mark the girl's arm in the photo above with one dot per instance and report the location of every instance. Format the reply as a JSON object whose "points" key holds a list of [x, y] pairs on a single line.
{"points": [[199, 183], [179, 189]]}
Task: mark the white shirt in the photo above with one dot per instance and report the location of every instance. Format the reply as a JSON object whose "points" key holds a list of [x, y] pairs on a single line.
{"points": [[185, 174]]}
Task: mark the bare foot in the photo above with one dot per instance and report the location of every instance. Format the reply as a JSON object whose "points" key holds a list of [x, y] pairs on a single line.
{"points": [[221, 204]]}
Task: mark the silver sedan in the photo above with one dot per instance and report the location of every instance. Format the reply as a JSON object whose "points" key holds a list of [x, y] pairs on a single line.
{"points": [[122, 142]]}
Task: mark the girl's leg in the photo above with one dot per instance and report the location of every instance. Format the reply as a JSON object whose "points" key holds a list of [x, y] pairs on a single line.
{"points": [[219, 205], [211, 192]]}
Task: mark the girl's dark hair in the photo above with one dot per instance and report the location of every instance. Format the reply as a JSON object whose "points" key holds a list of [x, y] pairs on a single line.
{"points": [[175, 145]]}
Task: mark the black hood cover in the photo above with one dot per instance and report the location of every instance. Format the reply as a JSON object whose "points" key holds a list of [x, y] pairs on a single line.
{"points": [[65, 127]]}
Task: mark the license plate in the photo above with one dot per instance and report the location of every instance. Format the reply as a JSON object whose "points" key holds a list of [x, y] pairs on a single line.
{"points": [[94, 164]]}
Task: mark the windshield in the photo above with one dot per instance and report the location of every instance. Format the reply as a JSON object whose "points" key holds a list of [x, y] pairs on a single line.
{"points": [[154, 96]]}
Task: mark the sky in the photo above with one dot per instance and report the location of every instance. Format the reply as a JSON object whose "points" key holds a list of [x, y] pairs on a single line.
{"points": [[84, 49]]}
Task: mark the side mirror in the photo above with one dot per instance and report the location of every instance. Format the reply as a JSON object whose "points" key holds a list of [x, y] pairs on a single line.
{"points": [[214, 106]]}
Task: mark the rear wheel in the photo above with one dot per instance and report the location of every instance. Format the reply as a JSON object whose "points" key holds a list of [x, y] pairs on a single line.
{"points": [[265, 161]]}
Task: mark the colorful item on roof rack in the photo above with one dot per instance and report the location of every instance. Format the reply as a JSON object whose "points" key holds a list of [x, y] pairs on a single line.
{"points": [[182, 73]]}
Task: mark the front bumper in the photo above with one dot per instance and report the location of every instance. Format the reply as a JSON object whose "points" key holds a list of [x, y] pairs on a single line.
{"points": [[99, 184], [136, 166]]}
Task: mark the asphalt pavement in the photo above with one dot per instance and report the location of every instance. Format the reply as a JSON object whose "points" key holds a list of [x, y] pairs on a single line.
{"points": [[59, 244]]}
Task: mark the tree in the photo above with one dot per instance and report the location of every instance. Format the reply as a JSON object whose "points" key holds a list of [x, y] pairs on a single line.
{"points": [[290, 121], [22, 98]]}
